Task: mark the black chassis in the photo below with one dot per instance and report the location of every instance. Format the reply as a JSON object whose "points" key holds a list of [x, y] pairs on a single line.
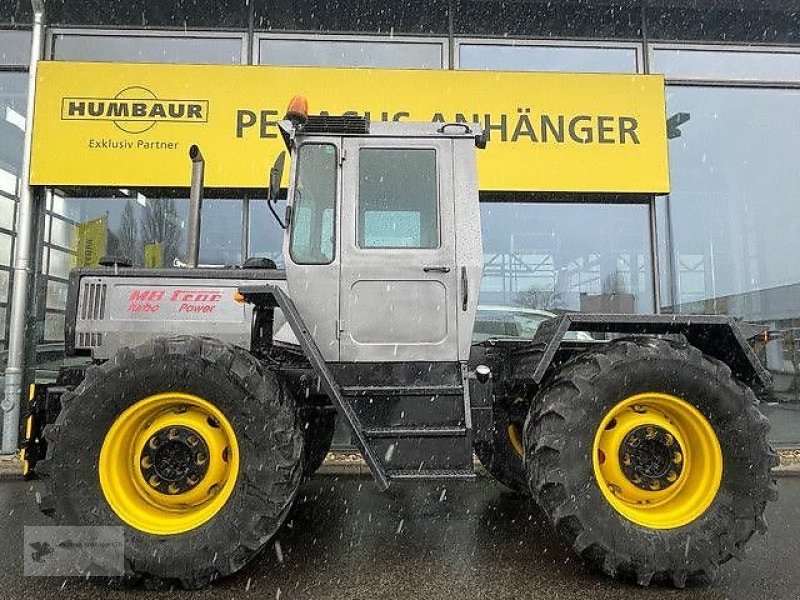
{"points": [[517, 369]]}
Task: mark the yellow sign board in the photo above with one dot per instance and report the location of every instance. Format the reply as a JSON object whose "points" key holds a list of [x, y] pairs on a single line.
{"points": [[91, 243], [132, 124]]}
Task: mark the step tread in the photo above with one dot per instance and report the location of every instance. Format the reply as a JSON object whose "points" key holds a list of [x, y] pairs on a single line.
{"points": [[401, 390], [431, 474], [433, 431]]}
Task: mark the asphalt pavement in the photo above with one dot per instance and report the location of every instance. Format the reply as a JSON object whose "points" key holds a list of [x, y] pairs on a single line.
{"points": [[462, 540]]}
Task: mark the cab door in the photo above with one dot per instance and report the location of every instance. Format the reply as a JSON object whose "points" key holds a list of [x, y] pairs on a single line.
{"points": [[398, 295]]}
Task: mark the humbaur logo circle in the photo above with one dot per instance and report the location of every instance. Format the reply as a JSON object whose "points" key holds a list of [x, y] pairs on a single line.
{"points": [[135, 109], [135, 92]]}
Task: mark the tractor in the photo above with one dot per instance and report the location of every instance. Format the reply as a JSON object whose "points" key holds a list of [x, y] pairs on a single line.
{"points": [[213, 392]]}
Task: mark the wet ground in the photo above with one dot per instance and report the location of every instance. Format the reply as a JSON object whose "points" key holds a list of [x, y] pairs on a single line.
{"points": [[462, 540]]}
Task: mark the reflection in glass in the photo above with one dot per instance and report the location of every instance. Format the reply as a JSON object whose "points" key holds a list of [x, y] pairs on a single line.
{"points": [[567, 257], [579, 59], [339, 53], [150, 232], [734, 216], [265, 235], [148, 49], [398, 198], [312, 239], [13, 98]]}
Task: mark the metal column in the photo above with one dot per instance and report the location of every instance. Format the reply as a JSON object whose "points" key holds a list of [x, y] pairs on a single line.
{"points": [[654, 255], [22, 257]]}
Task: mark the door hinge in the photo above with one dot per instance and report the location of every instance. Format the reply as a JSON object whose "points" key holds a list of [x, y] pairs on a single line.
{"points": [[339, 329], [342, 157]]}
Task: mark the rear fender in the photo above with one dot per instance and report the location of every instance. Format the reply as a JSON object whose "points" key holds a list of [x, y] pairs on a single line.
{"points": [[720, 337]]}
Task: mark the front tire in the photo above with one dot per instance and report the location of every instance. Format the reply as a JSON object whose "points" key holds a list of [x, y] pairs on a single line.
{"points": [[187, 443], [651, 460]]}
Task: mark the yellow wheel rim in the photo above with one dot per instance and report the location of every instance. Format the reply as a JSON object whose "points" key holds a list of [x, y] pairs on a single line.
{"points": [[515, 439], [169, 463], [657, 460]]}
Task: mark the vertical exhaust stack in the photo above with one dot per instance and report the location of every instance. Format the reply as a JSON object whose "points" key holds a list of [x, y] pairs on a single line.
{"points": [[195, 206]]}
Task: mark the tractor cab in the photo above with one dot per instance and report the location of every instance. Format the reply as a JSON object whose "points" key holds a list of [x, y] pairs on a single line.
{"points": [[383, 239]]}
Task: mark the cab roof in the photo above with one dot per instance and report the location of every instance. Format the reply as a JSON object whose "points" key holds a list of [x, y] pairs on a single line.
{"points": [[360, 127]]}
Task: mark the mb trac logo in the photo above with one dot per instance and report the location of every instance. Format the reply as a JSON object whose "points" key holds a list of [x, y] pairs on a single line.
{"points": [[134, 110]]}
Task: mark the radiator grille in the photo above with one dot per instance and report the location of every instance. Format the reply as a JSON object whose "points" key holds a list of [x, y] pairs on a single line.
{"points": [[93, 302], [89, 340]]}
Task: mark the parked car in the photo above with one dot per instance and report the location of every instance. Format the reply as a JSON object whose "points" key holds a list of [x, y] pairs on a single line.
{"points": [[514, 322]]}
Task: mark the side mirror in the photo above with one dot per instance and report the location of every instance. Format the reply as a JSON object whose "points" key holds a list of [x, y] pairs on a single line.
{"points": [[275, 176]]}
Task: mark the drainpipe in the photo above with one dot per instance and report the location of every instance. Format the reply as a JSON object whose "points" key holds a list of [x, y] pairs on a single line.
{"points": [[23, 264], [195, 206]]}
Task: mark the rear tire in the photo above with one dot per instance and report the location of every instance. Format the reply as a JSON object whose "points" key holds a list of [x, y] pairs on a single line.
{"points": [[649, 540], [268, 449]]}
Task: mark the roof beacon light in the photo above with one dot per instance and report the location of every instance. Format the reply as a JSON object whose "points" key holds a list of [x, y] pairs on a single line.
{"points": [[297, 111]]}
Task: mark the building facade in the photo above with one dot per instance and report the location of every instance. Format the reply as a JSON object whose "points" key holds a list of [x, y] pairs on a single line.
{"points": [[726, 234]]}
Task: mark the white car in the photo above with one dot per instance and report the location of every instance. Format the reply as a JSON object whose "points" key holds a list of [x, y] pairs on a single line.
{"points": [[494, 322]]}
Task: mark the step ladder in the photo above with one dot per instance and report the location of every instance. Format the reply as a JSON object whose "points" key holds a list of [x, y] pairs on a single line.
{"points": [[413, 430]]}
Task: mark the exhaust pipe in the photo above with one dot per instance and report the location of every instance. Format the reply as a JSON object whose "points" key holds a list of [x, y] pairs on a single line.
{"points": [[195, 206]]}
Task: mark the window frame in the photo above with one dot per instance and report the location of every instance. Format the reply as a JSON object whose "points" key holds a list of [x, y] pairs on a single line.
{"points": [[437, 174], [336, 178]]}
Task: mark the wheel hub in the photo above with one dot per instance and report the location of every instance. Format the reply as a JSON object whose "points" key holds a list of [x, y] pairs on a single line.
{"points": [[657, 460], [174, 460], [651, 458]]}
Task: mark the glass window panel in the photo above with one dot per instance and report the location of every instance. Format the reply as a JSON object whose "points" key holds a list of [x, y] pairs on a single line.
{"points": [[56, 294], [7, 209], [716, 64], [62, 233], [532, 57], [5, 249], [149, 231], [8, 184], [312, 238], [53, 327], [5, 282], [733, 217], [15, 47], [148, 49], [13, 98], [220, 232], [60, 263], [560, 256], [346, 53], [266, 236], [397, 198], [733, 207], [3, 320]]}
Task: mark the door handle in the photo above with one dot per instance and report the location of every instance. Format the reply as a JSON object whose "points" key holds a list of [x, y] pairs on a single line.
{"points": [[464, 289], [436, 269]]}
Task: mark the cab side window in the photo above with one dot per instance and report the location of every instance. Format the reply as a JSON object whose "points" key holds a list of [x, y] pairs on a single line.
{"points": [[313, 236], [398, 199]]}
